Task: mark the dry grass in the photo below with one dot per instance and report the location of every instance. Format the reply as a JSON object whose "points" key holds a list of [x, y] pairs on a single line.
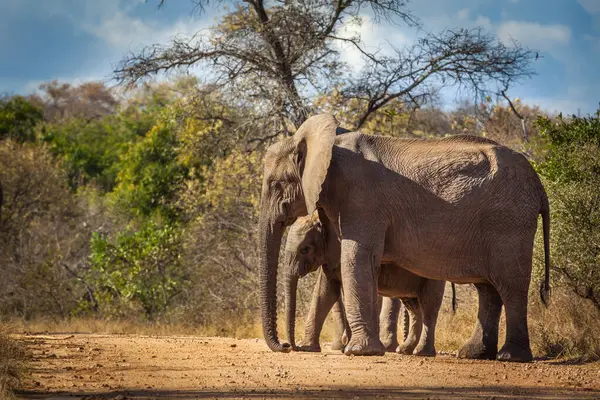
{"points": [[12, 364], [568, 329], [229, 326]]}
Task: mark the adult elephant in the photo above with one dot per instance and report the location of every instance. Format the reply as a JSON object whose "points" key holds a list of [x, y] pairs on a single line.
{"points": [[462, 209], [306, 250]]}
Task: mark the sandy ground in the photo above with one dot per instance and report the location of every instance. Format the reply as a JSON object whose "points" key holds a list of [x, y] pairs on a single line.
{"points": [[120, 367]]}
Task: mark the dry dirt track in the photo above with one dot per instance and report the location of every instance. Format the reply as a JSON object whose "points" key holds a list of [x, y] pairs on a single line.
{"points": [[140, 367]]}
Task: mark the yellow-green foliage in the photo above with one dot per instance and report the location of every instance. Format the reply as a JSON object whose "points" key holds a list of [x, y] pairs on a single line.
{"points": [[233, 182], [147, 209], [150, 174]]}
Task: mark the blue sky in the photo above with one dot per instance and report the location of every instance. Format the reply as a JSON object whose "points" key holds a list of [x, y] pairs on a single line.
{"points": [[78, 40]]}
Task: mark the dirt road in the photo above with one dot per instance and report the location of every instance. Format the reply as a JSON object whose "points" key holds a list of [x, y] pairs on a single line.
{"points": [[141, 367]]}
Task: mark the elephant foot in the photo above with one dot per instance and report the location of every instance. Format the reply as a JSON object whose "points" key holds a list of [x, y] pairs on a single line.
{"points": [[364, 347], [477, 351], [406, 348], [337, 345], [390, 344], [309, 348], [425, 351], [515, 353]]}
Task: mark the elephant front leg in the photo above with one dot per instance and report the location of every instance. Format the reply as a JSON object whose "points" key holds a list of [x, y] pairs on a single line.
{"points": [[430, 297], [360, 268], [325, 294], [483, 343], [388, 323], [414, 327]]}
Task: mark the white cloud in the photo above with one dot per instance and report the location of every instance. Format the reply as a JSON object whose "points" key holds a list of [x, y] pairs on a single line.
{"points": [[591, 6], [120, 30], [125, 32], [484, 22], [112, 22], [535, 35], [376, 37], [463, 14]]}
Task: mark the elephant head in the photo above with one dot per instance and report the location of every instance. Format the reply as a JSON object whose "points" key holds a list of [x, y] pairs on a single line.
{"points": [[305, 252], [294, 171]]}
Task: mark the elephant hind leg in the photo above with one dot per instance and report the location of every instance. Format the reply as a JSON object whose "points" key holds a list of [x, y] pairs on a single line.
{"points": [[414, 329], [431, 295], [483, 343], [388, 323], [517, 347]]}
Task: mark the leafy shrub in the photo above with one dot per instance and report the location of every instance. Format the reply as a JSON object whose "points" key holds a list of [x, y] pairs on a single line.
{"points": [[571, 167], [149, 175], [89, 149], [138, 270], [43, 234], [18, 118]]}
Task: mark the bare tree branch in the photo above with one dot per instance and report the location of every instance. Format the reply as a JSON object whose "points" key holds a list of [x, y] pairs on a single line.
{"points": [[277, 56], [514, 110], [464, 58]]}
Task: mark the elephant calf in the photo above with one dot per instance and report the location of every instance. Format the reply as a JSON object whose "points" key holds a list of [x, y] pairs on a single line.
{"points": [[309, 246], [388, 328]]}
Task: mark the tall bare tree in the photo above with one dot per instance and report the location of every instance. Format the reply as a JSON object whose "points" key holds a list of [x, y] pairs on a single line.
{"points": [[278, 55]]}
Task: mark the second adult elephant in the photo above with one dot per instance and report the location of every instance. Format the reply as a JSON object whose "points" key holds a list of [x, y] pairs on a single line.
{"points": [[307, 248], [462, 209]]}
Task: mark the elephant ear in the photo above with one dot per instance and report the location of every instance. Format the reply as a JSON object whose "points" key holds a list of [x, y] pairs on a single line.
{"points": [[314, 144]]}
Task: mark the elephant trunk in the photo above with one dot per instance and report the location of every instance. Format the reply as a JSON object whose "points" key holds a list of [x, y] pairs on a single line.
{"points": [[291, 285], [270, 234]]}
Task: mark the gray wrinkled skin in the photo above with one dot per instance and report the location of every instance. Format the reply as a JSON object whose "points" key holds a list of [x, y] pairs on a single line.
{"points": [[306, 247], [462, 209]]}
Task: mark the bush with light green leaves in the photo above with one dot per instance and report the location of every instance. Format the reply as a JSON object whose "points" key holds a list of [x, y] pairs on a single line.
{"points": [[571, 171], [140, 270]]}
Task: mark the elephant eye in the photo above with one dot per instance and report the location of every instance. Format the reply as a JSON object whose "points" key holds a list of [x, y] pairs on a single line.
{"points": [[304, 250]]}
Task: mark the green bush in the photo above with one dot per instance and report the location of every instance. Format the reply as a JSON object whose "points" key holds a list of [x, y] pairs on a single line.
{"points": [[137, 270], [18, 118], [90, 150], [150, 174], [571, 171]]}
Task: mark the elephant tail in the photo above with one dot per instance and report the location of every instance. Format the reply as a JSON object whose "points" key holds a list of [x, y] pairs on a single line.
{"points": [[454, 304], [545, 286]]}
